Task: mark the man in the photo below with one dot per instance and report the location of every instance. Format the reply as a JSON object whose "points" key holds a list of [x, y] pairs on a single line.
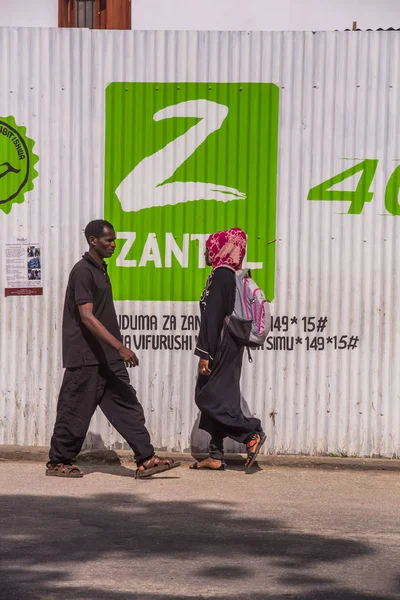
{"points": [[94, 357]]}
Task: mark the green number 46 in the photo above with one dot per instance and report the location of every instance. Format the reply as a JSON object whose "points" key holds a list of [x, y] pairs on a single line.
{"points": [[361, 194]]}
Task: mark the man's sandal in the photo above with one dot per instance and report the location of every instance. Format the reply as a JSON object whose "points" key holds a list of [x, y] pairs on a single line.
{"points": [[62, 470], [155, 465], [253, 445]]}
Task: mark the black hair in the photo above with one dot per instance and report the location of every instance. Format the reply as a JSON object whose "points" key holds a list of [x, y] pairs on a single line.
{"points": [[96, 228]]}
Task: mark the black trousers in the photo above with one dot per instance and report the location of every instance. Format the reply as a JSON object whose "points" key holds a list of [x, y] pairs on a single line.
{"points": [[82, 390]]}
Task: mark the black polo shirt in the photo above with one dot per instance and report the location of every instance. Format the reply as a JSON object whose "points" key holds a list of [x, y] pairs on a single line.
{"points": [[88, 282]]}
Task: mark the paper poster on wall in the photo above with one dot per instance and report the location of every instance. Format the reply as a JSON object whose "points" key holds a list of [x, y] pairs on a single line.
{"points": [[23, 268]]}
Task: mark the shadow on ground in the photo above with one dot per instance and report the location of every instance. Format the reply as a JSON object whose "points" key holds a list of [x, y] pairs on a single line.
{"points": [[84, 594], [42, 539]]}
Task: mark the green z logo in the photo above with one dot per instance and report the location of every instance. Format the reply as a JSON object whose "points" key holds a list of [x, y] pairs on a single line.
{"points": [[146, 186], [184, 160]]}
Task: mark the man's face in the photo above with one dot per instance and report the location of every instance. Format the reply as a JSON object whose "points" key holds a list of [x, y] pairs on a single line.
{"points": [[105, 244]]}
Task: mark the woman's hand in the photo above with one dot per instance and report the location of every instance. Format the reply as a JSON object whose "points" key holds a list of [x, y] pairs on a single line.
{"points": [[203, 367]]}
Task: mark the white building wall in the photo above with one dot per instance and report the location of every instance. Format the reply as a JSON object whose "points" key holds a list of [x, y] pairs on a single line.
{"points": [[29, 13], [264, 15], [235, 15]]}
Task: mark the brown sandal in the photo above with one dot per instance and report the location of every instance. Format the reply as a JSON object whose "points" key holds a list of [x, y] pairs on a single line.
{"points": [[62, 470], [154, 465], [253, 444], [222, 467]]}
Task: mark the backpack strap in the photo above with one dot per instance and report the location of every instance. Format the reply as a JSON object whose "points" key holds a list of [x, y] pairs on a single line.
{"points": [[242, 273]]}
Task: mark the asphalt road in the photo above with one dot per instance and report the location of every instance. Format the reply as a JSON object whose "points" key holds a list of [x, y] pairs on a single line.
{"points": [[276, 534]]}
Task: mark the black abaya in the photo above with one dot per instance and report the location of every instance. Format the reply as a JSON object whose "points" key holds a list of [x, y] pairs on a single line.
{"points": [[218, 395]]}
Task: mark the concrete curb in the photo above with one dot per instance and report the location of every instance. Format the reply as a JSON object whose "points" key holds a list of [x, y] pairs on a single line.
{"points": [[113, 457]]}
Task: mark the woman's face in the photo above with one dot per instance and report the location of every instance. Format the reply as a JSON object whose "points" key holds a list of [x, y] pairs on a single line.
{"points": [[207, 255]]}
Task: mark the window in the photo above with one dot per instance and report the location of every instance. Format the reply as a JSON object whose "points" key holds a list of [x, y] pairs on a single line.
{"points": [[85, 13], [95, 14]]}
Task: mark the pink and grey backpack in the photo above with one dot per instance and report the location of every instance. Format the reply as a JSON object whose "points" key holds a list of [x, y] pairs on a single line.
{"points": [[250, 320]]}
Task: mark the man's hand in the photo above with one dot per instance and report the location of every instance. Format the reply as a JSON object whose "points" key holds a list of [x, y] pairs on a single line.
{"points": [[128, 356], [203, 367]]}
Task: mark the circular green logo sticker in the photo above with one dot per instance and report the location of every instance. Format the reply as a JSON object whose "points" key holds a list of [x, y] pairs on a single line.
{"points": [[17, 162]]}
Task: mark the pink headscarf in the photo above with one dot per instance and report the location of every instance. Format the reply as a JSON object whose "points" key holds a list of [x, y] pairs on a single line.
{"points": [[227, 248]]}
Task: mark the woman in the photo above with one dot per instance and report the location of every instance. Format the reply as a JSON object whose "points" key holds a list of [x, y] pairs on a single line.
{"points": [[217, 392]]}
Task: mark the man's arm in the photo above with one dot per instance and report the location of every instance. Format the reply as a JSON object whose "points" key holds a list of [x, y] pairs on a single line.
{"points": [[102, 334]]}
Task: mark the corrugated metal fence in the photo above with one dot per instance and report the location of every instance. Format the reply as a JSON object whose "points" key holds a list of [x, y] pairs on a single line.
{"points": [[113, 112]]}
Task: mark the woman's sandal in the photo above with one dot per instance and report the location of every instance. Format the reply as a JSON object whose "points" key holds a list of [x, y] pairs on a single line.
{"points": [[62, 470], [253, 445], [221, 468], [154, 465]]}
